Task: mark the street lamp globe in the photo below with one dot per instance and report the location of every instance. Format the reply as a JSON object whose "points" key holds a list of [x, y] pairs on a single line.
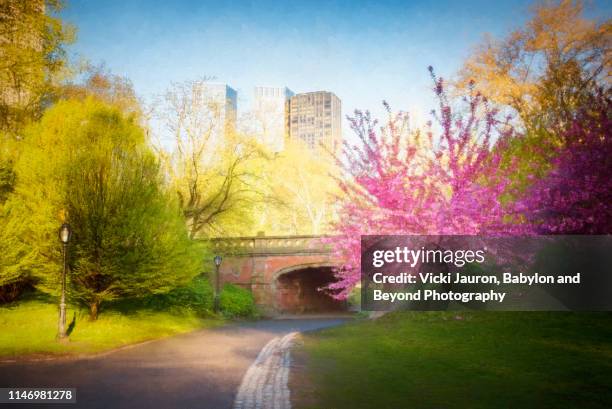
{"points": [[217, 260], [65, 233]]}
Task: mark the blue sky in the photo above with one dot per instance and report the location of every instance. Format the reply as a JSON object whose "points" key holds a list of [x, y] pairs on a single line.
{"points": [[362, 51]]}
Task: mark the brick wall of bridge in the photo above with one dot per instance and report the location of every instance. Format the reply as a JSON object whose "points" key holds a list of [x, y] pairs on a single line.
{"points": [[256, 263]]}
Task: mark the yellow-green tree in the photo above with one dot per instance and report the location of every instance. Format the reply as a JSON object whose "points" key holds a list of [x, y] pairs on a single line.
{"points": [[300, 187], [32, 65], [18, 259], [32, 59], [88, 163], [214, 170]]}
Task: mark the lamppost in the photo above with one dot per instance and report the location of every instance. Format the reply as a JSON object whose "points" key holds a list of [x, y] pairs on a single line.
{"points": [[65, 233], [217, 261]]}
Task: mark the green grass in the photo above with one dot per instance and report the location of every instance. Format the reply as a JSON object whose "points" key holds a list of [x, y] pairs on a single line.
{"points": [[29, 328], [482, 360]]}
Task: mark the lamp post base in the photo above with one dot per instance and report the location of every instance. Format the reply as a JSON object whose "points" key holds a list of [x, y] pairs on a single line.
{"points": [[61, 330]]}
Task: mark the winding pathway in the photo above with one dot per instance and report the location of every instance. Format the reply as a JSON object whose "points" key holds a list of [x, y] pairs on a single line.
{"points": [[215, 368]]}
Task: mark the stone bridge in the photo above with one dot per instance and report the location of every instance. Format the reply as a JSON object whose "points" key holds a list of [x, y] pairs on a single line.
{"points": [[284, 273]]}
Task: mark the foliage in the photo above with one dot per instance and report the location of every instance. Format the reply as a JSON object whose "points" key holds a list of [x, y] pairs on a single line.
{"points": [[87, 162], [300, 188], [196, 297], [100, 83], [33, 62], [236, 302], [32, 59], [18, 260], [547, 69], [212, 168], [7, 179], [391, 187], [575, 197]]}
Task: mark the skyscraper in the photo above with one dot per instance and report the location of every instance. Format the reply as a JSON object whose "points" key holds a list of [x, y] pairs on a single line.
{"points": [[219, 103], [270, 110], [315, 117]]}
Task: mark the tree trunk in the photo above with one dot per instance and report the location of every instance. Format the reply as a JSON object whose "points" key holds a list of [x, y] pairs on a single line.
{"points": [[93, 310]]}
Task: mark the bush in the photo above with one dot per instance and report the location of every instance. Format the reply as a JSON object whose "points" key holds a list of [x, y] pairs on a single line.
{"points": [[196, 297], [11, 292], [354, 299], [236, 302]]}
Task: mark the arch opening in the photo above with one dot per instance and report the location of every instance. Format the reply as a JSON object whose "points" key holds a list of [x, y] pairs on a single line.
{"points": [[297, 292]]}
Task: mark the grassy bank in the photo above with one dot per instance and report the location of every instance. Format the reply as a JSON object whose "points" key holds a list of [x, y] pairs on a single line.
{"points": [[449, 360], [29, 329]]}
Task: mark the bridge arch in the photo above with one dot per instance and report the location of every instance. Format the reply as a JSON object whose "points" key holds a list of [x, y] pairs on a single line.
{"points": [[297, 289], [302, 266], [282, 272]]}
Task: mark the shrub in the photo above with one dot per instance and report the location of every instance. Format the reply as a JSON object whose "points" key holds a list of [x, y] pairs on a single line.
{"points": [[236, 302], [196, 297]]}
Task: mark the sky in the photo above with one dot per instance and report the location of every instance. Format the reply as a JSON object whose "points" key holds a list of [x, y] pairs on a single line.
{"points": [[364, 52]]}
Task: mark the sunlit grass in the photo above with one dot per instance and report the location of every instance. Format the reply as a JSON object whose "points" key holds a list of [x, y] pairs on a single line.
{"points": [[30, 327], [468, 360]]}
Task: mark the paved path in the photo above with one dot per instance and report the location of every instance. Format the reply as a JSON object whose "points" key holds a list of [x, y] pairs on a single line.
{"points": [[264, 385], [203, 369]]}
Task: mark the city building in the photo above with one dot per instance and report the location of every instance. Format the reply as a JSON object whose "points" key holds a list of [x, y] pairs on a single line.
{"points": [[315, 117], [270, 110], [219, 103]]}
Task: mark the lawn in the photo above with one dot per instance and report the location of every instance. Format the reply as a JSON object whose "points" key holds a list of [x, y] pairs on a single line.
{"points": [[449, 360], [29, 328]]}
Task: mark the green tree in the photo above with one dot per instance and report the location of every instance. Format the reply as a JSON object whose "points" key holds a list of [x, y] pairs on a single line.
{"points": [[32, 65], [17, 258], [88, 163]]}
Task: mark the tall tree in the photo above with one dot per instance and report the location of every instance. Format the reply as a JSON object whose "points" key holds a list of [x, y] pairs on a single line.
{"points": [[88, 163], [546, 69], [32, 64], [300, 187], [212, 168], [32, 59], [392, 187]]}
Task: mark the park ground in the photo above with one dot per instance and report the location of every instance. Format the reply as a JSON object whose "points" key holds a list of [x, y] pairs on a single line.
{"points": [[423, 360], [408, 359], [29, 329]]}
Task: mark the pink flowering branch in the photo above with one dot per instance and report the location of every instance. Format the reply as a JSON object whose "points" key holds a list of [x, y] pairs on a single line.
{"points": [[392, 185]]}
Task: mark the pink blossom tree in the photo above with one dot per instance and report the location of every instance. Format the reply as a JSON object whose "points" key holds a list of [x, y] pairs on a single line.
{"points": [[392, 185]]}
